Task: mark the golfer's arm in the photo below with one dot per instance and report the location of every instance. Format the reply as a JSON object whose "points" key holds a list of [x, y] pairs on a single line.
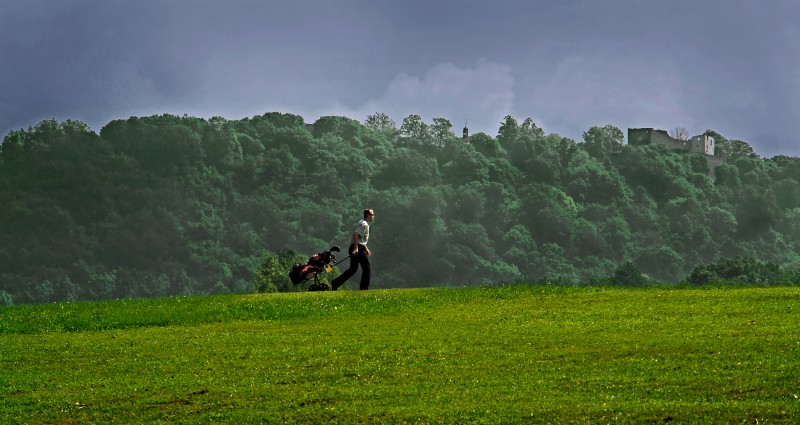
{"points": [[355, 240]]}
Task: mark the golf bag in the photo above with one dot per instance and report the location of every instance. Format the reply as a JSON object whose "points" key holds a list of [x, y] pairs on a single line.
{"points": [[317, 263]]}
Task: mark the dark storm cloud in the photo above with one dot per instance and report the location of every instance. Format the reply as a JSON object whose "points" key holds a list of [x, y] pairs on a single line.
{"points": [[75, 60], [730, 66], [99, 60]]}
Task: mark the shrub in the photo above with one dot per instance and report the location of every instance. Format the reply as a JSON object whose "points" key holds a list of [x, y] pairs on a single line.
{"points": [[628, 275], [738, 271], [273, 274], [5, 299]]}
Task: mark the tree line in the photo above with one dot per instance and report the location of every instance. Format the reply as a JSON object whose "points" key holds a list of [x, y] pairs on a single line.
{"points": [[169, 205]]}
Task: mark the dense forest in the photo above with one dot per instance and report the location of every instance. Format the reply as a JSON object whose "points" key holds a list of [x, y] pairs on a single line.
{"points": [[169, 205]]}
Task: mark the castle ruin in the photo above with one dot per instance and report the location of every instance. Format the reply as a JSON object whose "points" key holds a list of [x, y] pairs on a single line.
{"points": [[702, 144]]}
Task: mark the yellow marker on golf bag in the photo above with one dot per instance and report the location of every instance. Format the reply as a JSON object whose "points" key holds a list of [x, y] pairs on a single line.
{"points": [[328, 268]]}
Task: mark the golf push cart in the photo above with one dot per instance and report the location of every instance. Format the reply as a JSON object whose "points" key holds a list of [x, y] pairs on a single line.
{"points": [[317, 263]]}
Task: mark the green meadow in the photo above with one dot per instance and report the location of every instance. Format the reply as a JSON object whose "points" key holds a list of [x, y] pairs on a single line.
{"points": [[510, 354]]}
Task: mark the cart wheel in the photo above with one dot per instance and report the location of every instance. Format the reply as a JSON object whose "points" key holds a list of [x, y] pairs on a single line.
{"points": [[319, 286]]}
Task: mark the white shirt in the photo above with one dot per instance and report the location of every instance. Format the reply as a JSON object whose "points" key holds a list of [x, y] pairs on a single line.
{"points": [[363, 230]]}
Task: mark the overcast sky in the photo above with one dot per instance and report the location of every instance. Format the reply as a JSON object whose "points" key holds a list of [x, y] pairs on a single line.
{"points": [[728, 65]]}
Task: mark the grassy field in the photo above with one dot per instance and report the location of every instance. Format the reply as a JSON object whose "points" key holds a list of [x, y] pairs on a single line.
{"points": [[472, 355]]}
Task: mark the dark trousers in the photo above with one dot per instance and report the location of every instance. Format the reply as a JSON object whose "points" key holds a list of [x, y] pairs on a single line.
{"points": [[361, 259]]}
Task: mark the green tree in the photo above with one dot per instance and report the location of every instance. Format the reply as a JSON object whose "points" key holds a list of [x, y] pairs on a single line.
{"points": [[467, 253], [548, 213], [463, 164], [407, 167], [628, 275], [346, 128], [738, 270], [272, 121], [467, 203], [530, 129], [756, 211], [586, 240], [410, 235], [509, 131], [602, 141], [414, 131], [538, 159], [486, 145], [520, 245], [661, 262], [732, 149], [549, 264], [588, 181], [381, 122], [441, 132], [273, 274], [221, 144], [167, 142]]}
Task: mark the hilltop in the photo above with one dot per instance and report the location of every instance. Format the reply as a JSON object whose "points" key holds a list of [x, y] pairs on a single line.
{"points": [[166, 205]]}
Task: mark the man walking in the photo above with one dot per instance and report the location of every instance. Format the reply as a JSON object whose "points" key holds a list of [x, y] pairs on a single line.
{"points": [[359, 253]]}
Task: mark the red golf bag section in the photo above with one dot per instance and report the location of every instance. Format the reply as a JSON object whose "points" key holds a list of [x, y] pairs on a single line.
{"points": [[316, 264]]}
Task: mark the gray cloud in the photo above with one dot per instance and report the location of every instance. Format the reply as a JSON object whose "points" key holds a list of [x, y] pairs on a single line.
{"points": [[480, 95]]}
